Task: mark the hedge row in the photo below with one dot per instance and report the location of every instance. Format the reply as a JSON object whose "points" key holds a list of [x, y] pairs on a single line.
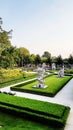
{"points": [[62, 85], [12, 81], [36, 110]]}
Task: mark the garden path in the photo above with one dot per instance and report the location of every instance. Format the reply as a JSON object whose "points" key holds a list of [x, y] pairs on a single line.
{"points": [[64, 97]]}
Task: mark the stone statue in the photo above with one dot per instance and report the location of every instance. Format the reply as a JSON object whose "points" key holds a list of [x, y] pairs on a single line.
{"points": [[53, 66], [61, 72], [40, 76]]}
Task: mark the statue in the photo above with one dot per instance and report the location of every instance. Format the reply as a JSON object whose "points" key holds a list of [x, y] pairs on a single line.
{"points": [[53, 66], [40, 76], [61, 72]]}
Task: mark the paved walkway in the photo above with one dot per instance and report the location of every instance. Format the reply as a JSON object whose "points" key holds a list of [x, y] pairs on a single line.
{"points": [[64, 97]]}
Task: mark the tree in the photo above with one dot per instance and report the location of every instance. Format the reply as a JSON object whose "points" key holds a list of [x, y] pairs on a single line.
{"points": [[49, 60], [1, 22], [37, 59], [59, 60], [46, 57], [46, 54], [70, 59], [4, 38], [23, 51], [23, 55], [32, 58], [7, 57]]}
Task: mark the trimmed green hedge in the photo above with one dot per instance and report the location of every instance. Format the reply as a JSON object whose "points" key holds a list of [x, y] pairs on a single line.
{"points": [[54, 84], [36, 110], [16, 80]]}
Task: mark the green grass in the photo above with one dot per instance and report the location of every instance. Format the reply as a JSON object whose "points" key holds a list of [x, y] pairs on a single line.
{"points": [[55, 110], [43, 112], [54, 84], [11, 122]]}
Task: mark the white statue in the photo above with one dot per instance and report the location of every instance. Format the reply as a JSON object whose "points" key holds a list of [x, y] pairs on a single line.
{"points": [[53, 66], [40, 76], [61, 72]]}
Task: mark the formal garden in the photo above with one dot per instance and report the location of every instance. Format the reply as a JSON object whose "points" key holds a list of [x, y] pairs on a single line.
{"points": [[26, 73], [29, 113]]}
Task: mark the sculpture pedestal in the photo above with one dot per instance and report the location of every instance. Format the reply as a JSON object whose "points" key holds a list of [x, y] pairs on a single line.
{"points": [[40, 86]]}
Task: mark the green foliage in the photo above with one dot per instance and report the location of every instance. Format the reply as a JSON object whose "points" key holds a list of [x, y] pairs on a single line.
{"points": [[59, 60], [7, 57], [54, 84], [11, 76], [70, 60], [46, 54], [33, 109], [37, 59], [4, 40], [32, 58], [68, 71], [12, 122], [23, 51]]}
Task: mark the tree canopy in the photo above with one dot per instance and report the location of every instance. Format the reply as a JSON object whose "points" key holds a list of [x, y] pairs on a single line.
{"points": [[4, 38]]}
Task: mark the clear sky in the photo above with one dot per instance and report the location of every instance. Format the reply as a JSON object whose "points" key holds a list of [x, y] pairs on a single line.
{"points": [[40, 25]]}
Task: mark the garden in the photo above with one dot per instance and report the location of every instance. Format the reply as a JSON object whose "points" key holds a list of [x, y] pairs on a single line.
{"points": [[27, 113], [17, 113], [53, 83]]}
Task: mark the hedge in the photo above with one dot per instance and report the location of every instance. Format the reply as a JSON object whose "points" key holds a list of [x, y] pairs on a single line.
{"points": [[36, 110], [51, 90], [16, 80]]}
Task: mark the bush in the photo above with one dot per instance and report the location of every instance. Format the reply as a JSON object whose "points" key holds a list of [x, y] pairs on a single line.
{"points": [[12, 76], [68, 71]]}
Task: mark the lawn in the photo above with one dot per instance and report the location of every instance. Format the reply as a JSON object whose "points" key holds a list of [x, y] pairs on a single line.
{"points": [[23, 114], [54, 84]]}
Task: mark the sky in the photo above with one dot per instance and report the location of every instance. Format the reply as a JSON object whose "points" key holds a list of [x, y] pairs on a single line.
{"points": [[40, 25]]}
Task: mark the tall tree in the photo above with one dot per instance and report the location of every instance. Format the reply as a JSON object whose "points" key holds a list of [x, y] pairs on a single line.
{"points": [[32, 58], [70, 59], [7, 57], [4, 38], [49, 60], [23, 55], [59, 60], [47, 54], [37, 59]]}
